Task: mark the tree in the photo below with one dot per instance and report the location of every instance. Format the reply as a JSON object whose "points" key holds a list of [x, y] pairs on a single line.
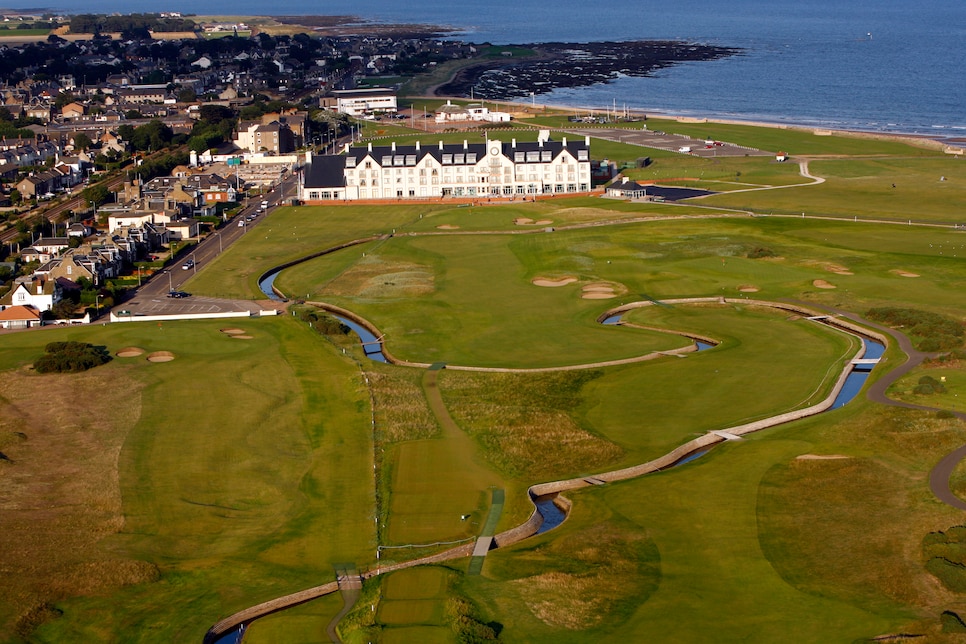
{"points": [[187, 95], [97, 193], [82, 141]]}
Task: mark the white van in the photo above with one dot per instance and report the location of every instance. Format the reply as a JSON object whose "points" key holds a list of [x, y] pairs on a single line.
{"points": [[686, 149]]}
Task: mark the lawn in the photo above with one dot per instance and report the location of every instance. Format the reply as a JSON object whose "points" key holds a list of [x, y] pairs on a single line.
{"points": [[165, 495], [221, 494]]}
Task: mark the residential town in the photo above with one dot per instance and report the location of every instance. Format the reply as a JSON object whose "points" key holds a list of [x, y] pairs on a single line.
{"points": [[191, 126]]}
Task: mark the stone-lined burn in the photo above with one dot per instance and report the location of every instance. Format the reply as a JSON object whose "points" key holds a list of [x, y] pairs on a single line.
{"points": [[551, 491]]}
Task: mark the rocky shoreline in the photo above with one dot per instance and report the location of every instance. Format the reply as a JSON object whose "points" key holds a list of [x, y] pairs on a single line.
{"points": [[559, 65]]}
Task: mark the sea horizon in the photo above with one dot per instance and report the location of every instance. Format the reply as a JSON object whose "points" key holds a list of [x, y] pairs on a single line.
{"points": [[875, 66]]}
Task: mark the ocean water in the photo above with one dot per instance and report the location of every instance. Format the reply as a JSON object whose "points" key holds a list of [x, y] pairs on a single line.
{"points": [[869, 64]]}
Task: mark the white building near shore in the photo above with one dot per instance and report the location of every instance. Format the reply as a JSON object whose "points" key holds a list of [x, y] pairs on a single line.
{"points": [[494, 169]]}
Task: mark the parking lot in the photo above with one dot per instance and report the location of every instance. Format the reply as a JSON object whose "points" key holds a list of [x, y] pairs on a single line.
{"points": [[672, 142], [144, 305]]}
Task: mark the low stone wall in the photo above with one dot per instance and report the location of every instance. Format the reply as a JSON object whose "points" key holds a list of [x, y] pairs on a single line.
{"points": [[181, 316], [266, 608], [521, 532]]}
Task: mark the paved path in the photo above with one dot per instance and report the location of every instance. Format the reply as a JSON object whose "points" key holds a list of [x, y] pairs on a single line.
{"points": [[939, 475]]}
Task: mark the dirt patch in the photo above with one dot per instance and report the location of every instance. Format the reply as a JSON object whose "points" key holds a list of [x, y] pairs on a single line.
{"points": [[820, 457], [602, 566], [160, 356], [553, 282], [448, 227], [902, 273], [376, 278], [523, 221], [60, 496], [823, 284], [232, 331], [129, 352], [748, 288]]}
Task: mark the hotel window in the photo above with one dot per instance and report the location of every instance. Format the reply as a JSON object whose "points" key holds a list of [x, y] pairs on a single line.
{"points": [[350, 162], [546, 156], [448, 159], [459, 159], [583, 155]]}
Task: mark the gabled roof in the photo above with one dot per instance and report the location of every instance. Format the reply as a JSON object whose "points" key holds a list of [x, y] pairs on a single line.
{"points": [[325, 172], [15, 313]]}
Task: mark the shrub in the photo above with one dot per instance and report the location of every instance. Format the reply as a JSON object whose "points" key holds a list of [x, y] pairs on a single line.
{"points": [[946, 557], [71, 357], [759, 252], [323, 322], [928, 331], [929, 385]]}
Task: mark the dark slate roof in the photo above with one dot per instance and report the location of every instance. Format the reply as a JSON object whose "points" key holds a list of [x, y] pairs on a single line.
{"points": [[325, 172], [408, 155]]}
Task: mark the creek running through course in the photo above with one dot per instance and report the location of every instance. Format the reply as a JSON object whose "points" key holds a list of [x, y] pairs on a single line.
{"points": [[550, 507]]}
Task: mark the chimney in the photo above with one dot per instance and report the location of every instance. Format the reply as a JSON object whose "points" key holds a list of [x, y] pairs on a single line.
{"points": [[466, 145], [417, 146], [308, 156], [513, 143], [440, 145], [346, 148], [587, 141], [565, 141], [370, 146], [393, 146]]}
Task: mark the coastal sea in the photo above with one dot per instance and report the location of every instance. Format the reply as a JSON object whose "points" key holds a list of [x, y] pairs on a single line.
{"points": [[880, 65]]}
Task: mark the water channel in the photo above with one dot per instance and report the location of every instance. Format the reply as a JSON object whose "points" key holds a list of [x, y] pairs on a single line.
{"points": [[553, 515]]}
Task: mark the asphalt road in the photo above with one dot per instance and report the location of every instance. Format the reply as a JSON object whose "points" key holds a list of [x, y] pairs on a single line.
{"points": [[151, 298]]}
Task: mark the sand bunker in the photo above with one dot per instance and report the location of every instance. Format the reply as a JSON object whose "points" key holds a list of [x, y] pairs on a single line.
{"points": [[543, 222], [902, 273], [232, 331], [820, 457], [129, 352], [448, 227], [160, 356], [748, 288], [838, 270], [550, 282], [600, 291], [822, 284], [241, 337], [523, 221]]}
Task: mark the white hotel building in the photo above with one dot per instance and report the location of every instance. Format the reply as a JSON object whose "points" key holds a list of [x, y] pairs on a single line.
{"points": [[493, 169]]}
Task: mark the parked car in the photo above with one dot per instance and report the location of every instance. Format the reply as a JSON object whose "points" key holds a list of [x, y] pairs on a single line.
{"points": [[241, 223], [178, 294]]}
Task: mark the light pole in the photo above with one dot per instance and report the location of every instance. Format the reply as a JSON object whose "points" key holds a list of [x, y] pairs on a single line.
{"points": [[170, 288]]}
